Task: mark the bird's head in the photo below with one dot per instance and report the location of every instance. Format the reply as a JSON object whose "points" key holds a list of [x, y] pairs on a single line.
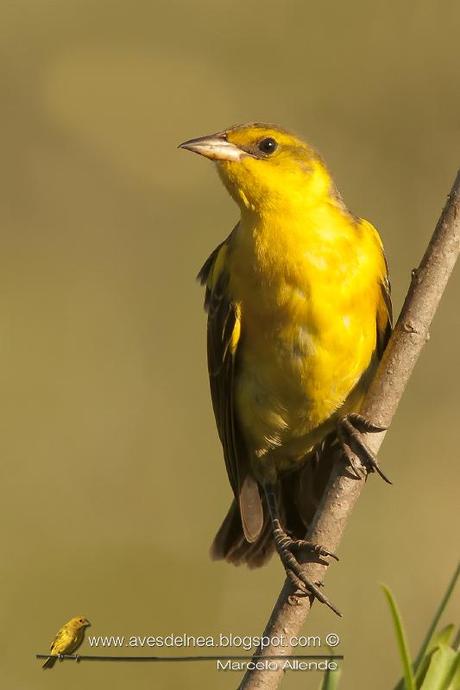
{"points": [[264, 166], [80, 622]]}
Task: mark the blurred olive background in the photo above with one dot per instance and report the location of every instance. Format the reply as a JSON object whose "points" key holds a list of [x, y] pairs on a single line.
{"points": [[112, 480]]}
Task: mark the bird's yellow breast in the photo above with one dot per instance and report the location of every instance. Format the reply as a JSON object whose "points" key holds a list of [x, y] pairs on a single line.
{"points": [[308, 288]]}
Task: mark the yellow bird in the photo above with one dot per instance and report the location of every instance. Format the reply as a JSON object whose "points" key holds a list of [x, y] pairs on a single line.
{"points": [[299, 313], [68, 639]]}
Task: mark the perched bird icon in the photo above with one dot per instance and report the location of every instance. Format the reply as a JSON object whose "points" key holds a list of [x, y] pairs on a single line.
{"points": [[68, 639], [299, 313]]}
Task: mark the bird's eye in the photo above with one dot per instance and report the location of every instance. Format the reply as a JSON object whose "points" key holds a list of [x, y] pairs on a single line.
{"points": [[268, 145]]}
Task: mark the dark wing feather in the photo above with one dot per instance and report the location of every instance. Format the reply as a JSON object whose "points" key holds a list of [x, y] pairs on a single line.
{"points": [[222, 320], [384, 314], [224, 328]]}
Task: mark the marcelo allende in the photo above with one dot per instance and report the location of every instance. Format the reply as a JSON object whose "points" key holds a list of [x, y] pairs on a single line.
{"points": [[274, 665]]}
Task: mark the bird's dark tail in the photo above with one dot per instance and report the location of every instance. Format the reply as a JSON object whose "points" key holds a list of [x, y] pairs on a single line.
{"points": [[49, 663], [300, 492], [230, 543]]}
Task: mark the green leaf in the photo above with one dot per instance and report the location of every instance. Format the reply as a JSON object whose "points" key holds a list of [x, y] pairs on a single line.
{"points": [[455, 681], [421, 663], [434, 624], [443, 637], [401, 640], [456, 642], [331, 680], [441, 669]]}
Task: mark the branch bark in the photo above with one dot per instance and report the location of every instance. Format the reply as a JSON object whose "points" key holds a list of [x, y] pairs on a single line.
{"points": [[410, 334]]}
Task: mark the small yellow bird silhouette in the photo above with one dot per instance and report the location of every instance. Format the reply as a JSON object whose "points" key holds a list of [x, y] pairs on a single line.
{"points": [[68, 639]]}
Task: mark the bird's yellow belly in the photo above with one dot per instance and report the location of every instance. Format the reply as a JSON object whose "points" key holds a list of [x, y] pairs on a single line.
{"points": [[303, 354]]}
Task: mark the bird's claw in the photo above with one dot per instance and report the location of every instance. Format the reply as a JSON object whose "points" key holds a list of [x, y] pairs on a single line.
{"points": [[303, 585], [306, 587], [317, 549], [350, 429], [363, 424]]}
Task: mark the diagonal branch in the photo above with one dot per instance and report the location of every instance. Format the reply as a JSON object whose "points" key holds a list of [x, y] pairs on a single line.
{"points": [[409, 336]]}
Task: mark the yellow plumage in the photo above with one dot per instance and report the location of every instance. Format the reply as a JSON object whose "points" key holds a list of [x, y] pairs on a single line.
{"points": [[68, 639], [308, 291], [299, 313]]}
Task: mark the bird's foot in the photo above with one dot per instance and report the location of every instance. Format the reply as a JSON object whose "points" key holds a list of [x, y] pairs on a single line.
{"points": [[316, 549], [77, 658], [294, 570], [293, 599], [350, 429], [60, 657]]}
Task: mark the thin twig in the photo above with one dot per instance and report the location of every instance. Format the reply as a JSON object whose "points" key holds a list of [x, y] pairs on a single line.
{"points": [[216, 658], [409, 336]]}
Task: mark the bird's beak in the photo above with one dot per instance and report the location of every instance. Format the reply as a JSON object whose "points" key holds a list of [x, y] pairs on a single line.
{"points": [[87, 624], [216, 147]]}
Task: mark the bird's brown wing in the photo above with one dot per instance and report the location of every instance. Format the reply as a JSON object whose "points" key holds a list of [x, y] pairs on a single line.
{"points": [[224, 339]]}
